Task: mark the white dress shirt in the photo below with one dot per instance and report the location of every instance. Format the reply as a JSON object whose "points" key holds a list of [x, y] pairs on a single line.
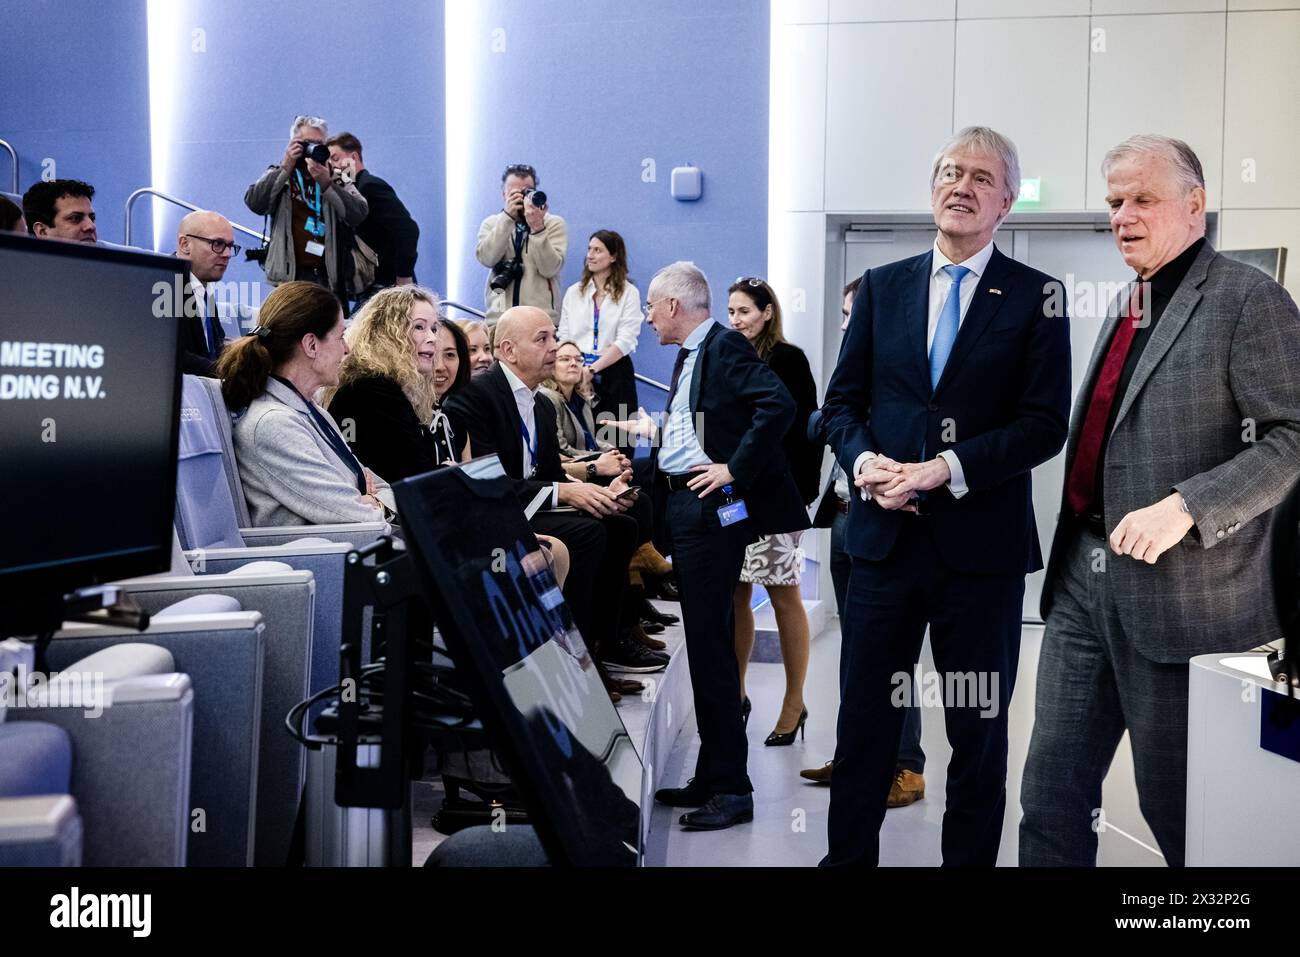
{"points": [[620, 320], [680, 450], [940, 284], [524, 402]]}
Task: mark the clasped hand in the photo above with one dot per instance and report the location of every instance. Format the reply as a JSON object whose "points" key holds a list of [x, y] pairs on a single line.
{"points": [[894, 485]]}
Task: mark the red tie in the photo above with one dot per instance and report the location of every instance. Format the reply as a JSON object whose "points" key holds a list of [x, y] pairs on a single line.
{"points": [[1082, 482]]}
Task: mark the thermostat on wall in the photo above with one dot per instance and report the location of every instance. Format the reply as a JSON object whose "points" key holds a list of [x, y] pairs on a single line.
{"points": [[688, 182]]}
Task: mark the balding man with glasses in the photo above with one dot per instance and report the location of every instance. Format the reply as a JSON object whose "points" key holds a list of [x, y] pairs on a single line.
{"points": [[207, 240], [523, 248]]}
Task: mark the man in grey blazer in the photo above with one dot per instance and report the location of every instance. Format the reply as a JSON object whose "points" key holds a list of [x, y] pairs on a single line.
{"points": [[1186, 432]]}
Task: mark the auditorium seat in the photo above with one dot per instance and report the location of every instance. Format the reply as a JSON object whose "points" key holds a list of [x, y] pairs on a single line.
{"points": [[127, 769], [214, 526]]}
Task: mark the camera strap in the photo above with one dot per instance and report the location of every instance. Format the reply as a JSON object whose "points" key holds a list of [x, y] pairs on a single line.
{"points": [[520, 241]]}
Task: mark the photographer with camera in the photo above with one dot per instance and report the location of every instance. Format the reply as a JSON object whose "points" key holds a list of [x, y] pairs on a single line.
{"points": [[312, 214], [524, 247]]}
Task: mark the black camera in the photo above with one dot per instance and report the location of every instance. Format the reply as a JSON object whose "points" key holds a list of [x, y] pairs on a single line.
{"points": [[535, 198], [506, 273], [317, 151]]}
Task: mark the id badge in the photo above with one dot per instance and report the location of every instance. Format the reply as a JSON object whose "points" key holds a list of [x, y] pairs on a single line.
{"points": [[313, 248], [588, 358], [732, 512]]}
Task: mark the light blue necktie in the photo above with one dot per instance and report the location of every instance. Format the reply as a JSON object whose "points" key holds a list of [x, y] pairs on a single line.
{"points": [[945, 333]]}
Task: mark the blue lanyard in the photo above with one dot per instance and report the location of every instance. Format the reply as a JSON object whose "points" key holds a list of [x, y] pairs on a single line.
{"points": [[336, 442], [314, 207], [529, 440], [577, 405], [595, 325]]}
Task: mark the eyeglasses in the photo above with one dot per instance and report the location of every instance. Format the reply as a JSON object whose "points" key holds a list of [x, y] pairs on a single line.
{"points": [[219, 246], [650, 305]]}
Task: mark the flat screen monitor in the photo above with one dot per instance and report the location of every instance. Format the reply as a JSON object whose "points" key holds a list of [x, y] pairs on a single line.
{"points": [[533, 680], [89, 397]]}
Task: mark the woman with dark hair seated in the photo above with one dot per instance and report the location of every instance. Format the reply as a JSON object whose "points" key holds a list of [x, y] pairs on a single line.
{"points": [[293, 461], [402, 362]]}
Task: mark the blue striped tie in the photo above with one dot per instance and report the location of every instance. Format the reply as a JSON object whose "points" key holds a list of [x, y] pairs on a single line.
{"points": [[945, 333]]}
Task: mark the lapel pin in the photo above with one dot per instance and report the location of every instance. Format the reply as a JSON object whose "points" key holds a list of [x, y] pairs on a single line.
{"points": [[996, 292]]}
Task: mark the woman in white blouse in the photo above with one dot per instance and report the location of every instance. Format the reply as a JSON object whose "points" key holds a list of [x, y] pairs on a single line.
{"points": [[602, 314]]}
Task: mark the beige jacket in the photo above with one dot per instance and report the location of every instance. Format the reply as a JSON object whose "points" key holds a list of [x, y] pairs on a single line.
{"points": [[543, 256]]}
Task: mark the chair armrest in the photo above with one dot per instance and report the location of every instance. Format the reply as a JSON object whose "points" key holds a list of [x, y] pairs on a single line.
{"points": [[40, 831], [353, 533]]}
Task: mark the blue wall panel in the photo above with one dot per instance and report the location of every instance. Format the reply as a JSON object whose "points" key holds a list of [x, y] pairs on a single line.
{"points": [[586, 90], [76, 91], [371, 68]]}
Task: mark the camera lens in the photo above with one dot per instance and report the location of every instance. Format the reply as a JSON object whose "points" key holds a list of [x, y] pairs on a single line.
{"points": [[537, 198], [317, 151]]}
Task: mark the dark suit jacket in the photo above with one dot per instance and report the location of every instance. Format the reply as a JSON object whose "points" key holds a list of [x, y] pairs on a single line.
{"points": [[1212, 410], [485, 412], [805, 459], [744, 412], [1002, 405], [194, 344], [388, 229], [384, 431]]}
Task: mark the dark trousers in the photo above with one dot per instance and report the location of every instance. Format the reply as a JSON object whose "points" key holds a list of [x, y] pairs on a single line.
{"points": [[707, 558], [599, 552], [1092, 686], [975, 637], [616, 398], [910, 753]]}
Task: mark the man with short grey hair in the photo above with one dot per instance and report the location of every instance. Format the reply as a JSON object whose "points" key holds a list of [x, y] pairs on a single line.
{"points": [[953, 383], [1186, 433], [312, 215], [721, 481]]}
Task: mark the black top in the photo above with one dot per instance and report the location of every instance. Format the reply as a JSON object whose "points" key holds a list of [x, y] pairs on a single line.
{"points": [[791, 367], [1164, 284], [383, 430], [388, 229], [195, 356]]}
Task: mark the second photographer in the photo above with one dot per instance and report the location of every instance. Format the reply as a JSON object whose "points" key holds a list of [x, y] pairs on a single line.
{"points": [[311, 212], [523, 247]]}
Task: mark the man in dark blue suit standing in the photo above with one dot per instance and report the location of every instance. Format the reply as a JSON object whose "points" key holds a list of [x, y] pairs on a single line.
{"points": [[952, 384], [721, 482]]}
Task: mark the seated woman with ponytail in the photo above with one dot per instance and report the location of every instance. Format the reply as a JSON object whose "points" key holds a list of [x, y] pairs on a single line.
{"points": [[402, 363], [293, 461]]}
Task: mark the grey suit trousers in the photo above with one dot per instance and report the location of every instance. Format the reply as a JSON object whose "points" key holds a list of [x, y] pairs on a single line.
{"points": [[1093, 685]]}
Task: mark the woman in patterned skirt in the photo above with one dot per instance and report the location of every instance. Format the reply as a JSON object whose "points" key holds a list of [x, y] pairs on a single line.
{"points": [[776, 561]]}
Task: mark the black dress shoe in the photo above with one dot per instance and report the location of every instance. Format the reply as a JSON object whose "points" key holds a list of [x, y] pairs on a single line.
{"points": [[650, 613], [665, 588], [723, 810], [651, 627], [693, 795]]}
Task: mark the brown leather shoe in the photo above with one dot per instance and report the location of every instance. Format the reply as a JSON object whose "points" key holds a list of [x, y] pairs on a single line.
{"points": [[820, 775], [637, 634], [908, 788], [617, 687]]}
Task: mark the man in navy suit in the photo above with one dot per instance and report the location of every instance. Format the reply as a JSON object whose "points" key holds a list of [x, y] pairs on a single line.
{"points": [[952, 384], [721, 482]]}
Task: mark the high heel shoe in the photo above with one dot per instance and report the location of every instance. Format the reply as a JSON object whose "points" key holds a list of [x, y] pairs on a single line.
{"points": [[745, 709], [775, 740]]}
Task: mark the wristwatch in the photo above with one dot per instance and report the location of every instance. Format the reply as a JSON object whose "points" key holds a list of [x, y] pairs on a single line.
{"points": [[591, 471]]}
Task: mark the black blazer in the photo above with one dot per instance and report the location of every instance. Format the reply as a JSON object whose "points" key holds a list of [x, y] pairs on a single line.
{"points": [[383, 430], [1002, 405], [194, 344], [388, 229], [485, 412], [745, 411], [805, 459]]}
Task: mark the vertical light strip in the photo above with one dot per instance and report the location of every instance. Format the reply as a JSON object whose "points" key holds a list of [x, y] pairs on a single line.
{"points": [[465, 42], [166, 43]]}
